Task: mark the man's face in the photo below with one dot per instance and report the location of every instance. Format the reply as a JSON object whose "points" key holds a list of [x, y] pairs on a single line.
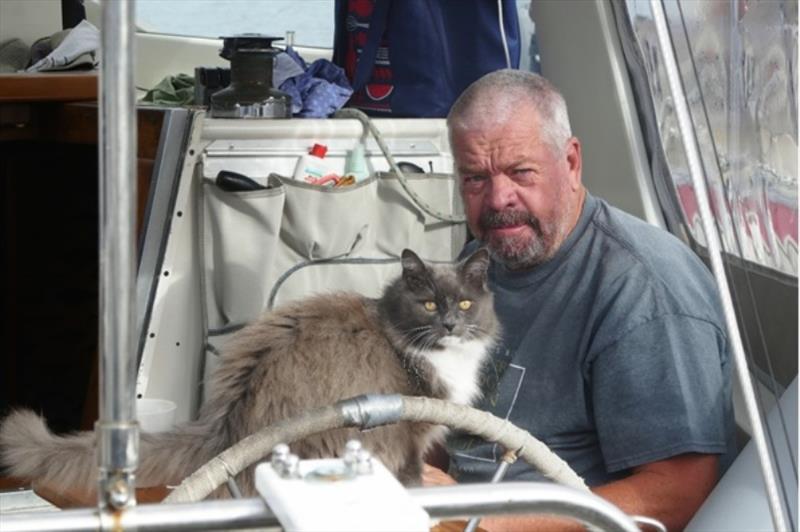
{"points": [[522, 195]]}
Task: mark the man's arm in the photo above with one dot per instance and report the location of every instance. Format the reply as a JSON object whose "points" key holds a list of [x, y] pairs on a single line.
{"points": [[669, 490]]}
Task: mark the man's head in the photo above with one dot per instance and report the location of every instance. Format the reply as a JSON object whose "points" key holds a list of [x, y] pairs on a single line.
{"points": [[518, 164]]}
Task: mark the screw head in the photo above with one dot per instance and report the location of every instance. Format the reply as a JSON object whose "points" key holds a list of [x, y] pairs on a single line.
{"points": [[363, 462], [119, 494], [279, 454], [291, 467]]}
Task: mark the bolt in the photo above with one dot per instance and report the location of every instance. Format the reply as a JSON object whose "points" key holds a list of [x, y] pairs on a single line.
{"points": [[291, 467], [357, 460], [350, 457], [363, 462], [279, 454], [352, 447], [119, 494]]}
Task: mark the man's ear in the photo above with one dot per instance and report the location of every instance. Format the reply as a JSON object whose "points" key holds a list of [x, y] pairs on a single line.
{"points": [[475, 268], [574, 162], [415, 274]]}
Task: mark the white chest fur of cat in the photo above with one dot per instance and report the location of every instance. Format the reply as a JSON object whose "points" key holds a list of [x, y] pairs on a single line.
{"points": [[427, 335], [459, 365]]}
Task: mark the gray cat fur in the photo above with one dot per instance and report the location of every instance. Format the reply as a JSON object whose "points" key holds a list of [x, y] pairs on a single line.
{"points": [[306, 354]]}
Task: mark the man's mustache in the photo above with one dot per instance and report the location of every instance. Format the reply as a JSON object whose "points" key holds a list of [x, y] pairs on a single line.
{"points": [[491, 219]]}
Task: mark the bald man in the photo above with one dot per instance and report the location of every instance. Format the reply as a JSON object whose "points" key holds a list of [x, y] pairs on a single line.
{"points": [[614, 351]]}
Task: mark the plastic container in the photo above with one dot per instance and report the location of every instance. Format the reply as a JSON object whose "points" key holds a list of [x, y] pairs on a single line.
{"points": [[313, 167], [355, 164], [155, 415]]}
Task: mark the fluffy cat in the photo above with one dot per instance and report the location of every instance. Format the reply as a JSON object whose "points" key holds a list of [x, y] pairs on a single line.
{"points": [[427, 335]]}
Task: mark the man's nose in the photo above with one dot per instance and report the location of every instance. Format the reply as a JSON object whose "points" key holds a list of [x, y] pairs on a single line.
{"points": [[502, 192]]}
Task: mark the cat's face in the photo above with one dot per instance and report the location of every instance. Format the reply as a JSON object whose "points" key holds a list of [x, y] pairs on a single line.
{"points": [[432, 306]]}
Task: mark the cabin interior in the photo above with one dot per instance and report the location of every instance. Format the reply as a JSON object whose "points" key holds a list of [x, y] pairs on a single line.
{"points": [[604, 57]]}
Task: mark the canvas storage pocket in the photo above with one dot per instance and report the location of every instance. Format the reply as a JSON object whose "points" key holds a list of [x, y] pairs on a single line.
{"points": [[254, 240], [405, 225], [321, 222], [241, 232]]}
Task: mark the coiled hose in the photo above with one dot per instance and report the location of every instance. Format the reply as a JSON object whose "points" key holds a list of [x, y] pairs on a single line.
{"points": [[368, 411]]}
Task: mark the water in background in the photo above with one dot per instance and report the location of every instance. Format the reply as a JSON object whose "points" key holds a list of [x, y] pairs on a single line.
{"points": [[312, 20]]}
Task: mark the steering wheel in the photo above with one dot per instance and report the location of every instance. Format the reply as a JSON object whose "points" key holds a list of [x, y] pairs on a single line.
{"points": [[365, 412]]}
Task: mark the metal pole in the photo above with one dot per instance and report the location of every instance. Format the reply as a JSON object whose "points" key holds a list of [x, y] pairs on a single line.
{"points": [[508, 458], [445, 502], [117, 432], [468, 500], [712, 240]]}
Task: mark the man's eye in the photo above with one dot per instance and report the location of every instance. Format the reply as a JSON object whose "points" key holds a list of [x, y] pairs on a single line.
{"points": [[473, 182], [523, 175]]}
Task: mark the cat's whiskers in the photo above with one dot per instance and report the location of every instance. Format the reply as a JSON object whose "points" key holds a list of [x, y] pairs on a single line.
{"points": [[470, 331], [431, 342], [414, 335]]}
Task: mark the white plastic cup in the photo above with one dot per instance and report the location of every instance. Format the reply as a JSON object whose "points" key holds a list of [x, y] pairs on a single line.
{"points": [[155, 415]]}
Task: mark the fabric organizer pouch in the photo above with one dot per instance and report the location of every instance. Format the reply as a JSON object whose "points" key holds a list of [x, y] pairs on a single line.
{"points": [[266, 247]]}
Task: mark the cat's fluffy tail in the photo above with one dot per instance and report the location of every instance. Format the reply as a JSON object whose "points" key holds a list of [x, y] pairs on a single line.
{"points": [[29, 450]]}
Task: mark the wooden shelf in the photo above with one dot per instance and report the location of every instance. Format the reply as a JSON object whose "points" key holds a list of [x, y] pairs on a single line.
{"points": [[50, 87]]}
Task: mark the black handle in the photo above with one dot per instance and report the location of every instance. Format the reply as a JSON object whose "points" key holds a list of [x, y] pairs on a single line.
{"points": [[410, 168], [233, 182]]}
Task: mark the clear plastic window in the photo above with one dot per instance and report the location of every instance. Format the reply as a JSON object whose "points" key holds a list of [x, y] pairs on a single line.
{"points": [[738, 62], [311, 20]]}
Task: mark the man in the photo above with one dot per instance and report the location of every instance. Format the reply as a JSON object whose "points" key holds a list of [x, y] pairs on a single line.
{"points": [[614, 351]]}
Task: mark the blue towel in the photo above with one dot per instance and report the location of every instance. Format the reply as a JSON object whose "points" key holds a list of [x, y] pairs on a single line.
{"points": [[319, 91]]}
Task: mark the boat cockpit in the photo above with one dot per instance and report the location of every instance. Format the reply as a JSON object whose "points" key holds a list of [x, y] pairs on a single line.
{"points": [[687, 113]]}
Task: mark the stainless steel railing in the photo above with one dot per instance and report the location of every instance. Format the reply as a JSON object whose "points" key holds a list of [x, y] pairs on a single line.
{"points": [[446, 502], [117, 431]]}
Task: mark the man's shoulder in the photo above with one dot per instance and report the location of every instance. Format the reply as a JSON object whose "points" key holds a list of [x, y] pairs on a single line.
{"points": [[636, 243], [650, 261]]}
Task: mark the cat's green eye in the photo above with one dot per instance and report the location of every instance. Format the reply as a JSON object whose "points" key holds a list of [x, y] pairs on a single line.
{"points": [[430, 306], [464, 304]]}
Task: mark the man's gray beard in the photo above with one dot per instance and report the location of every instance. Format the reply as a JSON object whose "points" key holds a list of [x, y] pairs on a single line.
{"points": [[516, 254], [517, 257]]}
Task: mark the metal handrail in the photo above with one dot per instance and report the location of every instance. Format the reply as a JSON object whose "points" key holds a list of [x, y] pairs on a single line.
{"points": [[442, 502]]}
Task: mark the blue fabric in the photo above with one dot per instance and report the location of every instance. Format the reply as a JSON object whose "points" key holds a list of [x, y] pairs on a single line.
{"points": [[412, 58], [319, 91], [614, 354]]}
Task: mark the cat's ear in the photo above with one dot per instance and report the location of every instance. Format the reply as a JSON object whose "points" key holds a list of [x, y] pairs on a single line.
{"points": [[414, 272], [474, 269]]}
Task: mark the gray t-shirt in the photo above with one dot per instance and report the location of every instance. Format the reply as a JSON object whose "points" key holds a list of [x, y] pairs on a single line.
{"points": [[614, 354]]}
